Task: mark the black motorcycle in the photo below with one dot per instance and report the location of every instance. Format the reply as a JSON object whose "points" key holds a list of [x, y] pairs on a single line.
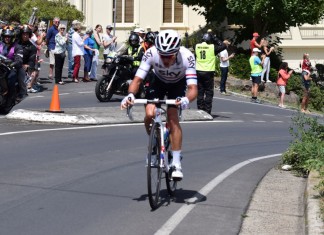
{"points": [[7, 95], [119, 74]]}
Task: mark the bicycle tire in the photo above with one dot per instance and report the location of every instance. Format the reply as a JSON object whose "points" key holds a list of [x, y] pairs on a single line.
{"points": [[154, 173], [170, 183]]}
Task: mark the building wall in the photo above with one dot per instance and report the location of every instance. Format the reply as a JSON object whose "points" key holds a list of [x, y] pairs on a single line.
{"points": [[148, 14]]}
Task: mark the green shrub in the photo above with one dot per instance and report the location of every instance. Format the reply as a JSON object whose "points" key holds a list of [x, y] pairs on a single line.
{"points": [[306, 152], [294, 84], [316, 97], [240, 66]]}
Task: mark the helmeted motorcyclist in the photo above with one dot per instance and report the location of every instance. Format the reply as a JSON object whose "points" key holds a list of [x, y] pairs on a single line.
{"points": [[14, 52], [148, 42], [133, 50], [29, 59]]}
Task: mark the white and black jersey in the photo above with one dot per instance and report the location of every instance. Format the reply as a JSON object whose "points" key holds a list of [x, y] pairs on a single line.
{"points": [[183, 68]]}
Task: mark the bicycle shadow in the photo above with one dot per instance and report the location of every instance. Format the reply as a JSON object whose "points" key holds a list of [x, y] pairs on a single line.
{"points": [[182, 196]]}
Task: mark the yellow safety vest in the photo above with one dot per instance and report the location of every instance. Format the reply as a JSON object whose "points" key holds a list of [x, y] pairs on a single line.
{"points": [[255, 68], [130, 51], [205, 57]]}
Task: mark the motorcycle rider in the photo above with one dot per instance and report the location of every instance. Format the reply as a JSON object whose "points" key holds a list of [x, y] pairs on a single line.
{"points": [[148, 42], [29, 59], [14, 52], [133, 50]]}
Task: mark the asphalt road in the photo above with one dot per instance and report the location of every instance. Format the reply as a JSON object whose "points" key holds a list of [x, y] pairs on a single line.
{"points": [[62, 179]]}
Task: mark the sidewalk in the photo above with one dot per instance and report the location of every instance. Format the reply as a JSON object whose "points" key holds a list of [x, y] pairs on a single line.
{"points": [[283, 204]]}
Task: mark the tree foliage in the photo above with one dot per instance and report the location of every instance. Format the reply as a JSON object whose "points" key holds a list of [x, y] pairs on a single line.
{"points": [[263, 16], [20, 10]]}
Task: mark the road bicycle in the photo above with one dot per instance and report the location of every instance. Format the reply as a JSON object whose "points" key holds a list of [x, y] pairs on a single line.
{"points": [[159, 157]]}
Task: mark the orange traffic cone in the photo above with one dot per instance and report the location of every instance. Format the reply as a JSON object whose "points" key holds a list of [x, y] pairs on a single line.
{"points": [[55, 103]]}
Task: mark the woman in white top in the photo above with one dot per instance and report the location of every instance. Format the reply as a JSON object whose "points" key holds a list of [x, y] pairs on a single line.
{"points": [[77, 51], [224, 64], [59, 53]]}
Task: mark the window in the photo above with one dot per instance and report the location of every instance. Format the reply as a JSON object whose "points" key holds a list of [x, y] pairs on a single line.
{"points": [[172, 11], [124, 11]]}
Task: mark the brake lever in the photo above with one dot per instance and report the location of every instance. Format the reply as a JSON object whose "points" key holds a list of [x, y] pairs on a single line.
{"points": [[180, 108], [129, 107]]}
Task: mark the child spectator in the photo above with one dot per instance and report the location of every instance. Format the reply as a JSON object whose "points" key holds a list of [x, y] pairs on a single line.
{"points": [[283, 76]]}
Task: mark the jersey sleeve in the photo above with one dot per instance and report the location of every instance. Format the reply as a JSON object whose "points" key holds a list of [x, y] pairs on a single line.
{"points": [[191, 76], [145, 65]]}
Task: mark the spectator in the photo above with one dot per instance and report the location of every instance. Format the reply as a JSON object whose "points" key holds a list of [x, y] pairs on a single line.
{"points": [[89, 50], [254, 43], [50, 41], [141, 33], [69, 48], [283, 76], [29, 60], [206, 53], [59, 53], [98, 42], [109, 42], [256, 70], [77, 51], [306, 80], [265, 52], [224, 64]]}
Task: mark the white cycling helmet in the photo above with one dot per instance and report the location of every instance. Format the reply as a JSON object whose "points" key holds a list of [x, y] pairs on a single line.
{"points": [[168, 42]]}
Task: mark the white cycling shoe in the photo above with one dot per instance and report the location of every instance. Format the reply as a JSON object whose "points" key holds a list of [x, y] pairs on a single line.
{"points": [[177, 173]]}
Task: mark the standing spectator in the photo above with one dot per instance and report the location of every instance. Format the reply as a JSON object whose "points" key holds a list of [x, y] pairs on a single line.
{"points": [[69, 48], [109, 42], [224, 64], [256, 70], [141, 33], [77, 51], [98, 42], [254, 43], [37, 40], [205, 67], [89, 50], [306, 80], [265, 52], [59, 53], [283, 76], [29, 60], [50, 41]]}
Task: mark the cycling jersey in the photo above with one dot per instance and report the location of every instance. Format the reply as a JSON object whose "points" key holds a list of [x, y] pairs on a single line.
{"points": [[183, 68]]}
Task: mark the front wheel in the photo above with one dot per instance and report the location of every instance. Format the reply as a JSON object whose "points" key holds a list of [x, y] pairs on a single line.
{"points": [[154, 171], [104, 94]]}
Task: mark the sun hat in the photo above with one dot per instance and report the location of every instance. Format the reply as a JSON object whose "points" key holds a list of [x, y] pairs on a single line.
{"points": [[256, 35]]}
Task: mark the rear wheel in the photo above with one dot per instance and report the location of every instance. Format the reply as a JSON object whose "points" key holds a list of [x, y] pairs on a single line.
{"points": [[154, 172], [102, 94]]}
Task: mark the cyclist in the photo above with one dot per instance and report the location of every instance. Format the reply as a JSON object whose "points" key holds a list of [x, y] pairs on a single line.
{"points": [[13, 51], [174, 71]]}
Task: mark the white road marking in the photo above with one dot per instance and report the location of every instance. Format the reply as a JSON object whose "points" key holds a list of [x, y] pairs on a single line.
{"points": [[85, 92], [107, 125], [258, 121], [270, 115], [38, 96], [226, 112], [249, 113], [65, 93], [184, 210], [277, 121]]}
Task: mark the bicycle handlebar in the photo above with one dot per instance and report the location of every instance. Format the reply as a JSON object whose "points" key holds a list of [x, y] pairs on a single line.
{"points": [[146, 101]]}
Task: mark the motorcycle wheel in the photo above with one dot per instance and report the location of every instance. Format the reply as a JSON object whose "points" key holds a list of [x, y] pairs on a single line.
{"points": [[101, 89]]}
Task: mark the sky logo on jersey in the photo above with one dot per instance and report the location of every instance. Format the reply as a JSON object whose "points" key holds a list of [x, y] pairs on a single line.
{"points": [[167, 73]]}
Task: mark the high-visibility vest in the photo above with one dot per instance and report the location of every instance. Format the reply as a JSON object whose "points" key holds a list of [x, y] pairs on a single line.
{"points": [[130, 51], [255, 68], [205, 57]]}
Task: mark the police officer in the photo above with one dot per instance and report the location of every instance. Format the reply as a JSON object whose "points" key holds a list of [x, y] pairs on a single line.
{"points": [[206, 53], [133, 50]]}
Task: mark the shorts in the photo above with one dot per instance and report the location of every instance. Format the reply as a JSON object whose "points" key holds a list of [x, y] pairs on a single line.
{"points": [[51, 57], [159, 89], [282, 89], [256, 79]]}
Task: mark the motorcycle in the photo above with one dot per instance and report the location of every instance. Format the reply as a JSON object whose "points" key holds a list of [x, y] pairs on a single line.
{"points": [[116, 79], [7, 96]]}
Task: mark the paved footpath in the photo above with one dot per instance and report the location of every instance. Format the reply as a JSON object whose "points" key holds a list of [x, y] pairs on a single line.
{"points": [[281, 204]]}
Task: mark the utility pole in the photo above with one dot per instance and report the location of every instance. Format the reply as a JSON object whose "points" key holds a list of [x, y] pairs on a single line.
{"points": [[114, 10]]}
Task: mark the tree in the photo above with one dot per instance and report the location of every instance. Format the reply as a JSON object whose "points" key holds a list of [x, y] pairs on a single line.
{"points": [[263, 16], [20, 10]]}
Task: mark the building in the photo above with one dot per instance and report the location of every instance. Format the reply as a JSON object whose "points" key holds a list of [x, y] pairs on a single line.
{"points": [[303, 39], [150, 15], [169, 14]]}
